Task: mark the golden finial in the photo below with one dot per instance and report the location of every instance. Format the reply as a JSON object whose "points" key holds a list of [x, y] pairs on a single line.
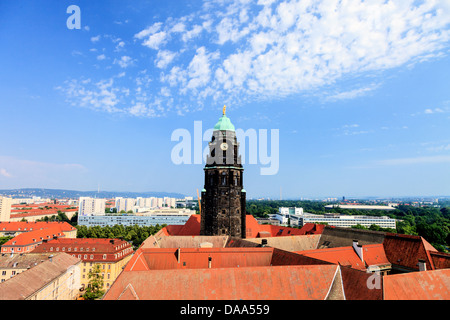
{"points": [[224, 108]]}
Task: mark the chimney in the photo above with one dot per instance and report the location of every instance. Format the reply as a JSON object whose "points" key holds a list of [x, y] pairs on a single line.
{"points": [[358, 249], [179, 254], [422, 265], [209, 262]]}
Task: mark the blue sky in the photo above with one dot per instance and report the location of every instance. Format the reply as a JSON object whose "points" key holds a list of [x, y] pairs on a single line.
{"points": [[359, 91]]}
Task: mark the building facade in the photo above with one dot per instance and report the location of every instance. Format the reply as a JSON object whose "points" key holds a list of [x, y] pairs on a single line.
{"points": [[130, 220], [110, 254], [55, 277], [91, 206], [223, 196], [347, 221], [5, 208], [125, 204]]}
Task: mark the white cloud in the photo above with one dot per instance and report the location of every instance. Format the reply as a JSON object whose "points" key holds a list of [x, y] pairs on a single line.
{"points": [[124, 61], [199, 69], [435, 110], [5, 173], [119, 46], [352, 94], [164, 58], [101, 57], [193, 33], [245, 51], [148, 31], [95, 39], [156, 40]]}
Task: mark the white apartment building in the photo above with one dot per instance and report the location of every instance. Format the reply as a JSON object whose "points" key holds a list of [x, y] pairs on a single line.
{"points": [[125, 204], [290, 215], [5, 208], [91, 206]]}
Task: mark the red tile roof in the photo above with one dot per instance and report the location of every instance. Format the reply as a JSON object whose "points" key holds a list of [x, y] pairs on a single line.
{"points": [[280, 283], [22, 226], [35, 236], [404, 251], [355, 283], [114, 249], [196, 258], [424, 285], [373, 255], [440, 260]]}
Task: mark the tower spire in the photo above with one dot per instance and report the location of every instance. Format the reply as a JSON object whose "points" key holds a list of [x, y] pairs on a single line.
{"points": [[224, 109]]}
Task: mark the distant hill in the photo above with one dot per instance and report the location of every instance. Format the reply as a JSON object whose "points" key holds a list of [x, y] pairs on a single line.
{"points": [[73, 194]]}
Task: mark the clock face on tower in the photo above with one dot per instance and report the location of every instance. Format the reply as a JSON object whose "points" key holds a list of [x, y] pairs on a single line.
{"points": [[224, 146]]}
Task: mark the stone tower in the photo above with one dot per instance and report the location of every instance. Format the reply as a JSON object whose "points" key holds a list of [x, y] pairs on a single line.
{"points": [[223, 196]]}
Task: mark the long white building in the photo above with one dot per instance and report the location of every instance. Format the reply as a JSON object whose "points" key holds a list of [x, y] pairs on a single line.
{"points": [[347, 221]]}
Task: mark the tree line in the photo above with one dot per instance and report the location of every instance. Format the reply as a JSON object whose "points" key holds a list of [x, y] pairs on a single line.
{"points": [[134, 234]]}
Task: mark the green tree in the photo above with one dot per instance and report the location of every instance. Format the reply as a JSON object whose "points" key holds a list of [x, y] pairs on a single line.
{"points": [[4, 240], [95, 287]]}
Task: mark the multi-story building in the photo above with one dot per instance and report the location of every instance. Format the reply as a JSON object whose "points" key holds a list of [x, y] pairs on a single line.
{"points": [[348, 221], [5, 208], [110, 254], [125, 204], [52, 277], [289, 215], [160, 216], [91, 206]]}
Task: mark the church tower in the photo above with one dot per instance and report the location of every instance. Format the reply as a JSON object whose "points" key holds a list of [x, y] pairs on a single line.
{"points": [[223, 196]]}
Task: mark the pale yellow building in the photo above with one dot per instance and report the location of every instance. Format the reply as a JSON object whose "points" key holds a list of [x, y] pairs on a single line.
{"points": [[111, 254]]}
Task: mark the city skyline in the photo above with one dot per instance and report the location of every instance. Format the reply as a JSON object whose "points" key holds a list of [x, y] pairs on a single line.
{"points": [[359, 94]]}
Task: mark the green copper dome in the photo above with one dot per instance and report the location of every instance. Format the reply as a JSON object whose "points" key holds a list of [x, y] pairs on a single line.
{"points": [[224, 123]]}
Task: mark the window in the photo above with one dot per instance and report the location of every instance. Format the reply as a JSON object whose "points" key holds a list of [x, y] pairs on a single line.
{"points": [[104, 257], [224, 178]]}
